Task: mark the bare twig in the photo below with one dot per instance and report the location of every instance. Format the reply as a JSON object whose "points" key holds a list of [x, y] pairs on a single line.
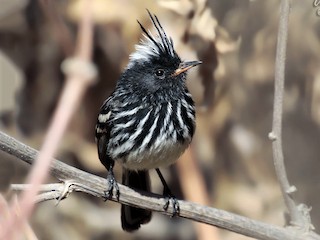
{"points": [[77, 81], [299, 215], [50, 191], [91, 184]]}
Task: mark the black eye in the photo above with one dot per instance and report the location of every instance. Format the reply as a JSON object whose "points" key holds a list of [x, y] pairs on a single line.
{"points": [[160, 73]]}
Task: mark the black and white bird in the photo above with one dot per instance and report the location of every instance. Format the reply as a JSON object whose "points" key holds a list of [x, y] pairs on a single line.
{"points": [[149, 119]]}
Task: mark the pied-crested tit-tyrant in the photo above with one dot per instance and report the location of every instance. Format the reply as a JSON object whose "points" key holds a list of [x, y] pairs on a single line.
{"points": [[148, 121]]}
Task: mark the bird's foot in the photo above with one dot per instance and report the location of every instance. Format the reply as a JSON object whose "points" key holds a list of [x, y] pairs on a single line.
{"points": [[112, 184], [171, 198]]}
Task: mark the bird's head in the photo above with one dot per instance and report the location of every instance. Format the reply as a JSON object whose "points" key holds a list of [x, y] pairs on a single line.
{"points": [[155, 64]]}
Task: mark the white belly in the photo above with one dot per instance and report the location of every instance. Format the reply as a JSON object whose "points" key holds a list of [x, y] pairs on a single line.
{"points": [[155, 157]]}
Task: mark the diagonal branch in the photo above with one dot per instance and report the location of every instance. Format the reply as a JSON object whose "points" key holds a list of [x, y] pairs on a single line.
{"points": [[82, 181], [299, 215]]}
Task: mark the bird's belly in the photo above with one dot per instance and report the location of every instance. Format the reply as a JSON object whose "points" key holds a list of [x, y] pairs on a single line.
{"points": [[154, 157]]}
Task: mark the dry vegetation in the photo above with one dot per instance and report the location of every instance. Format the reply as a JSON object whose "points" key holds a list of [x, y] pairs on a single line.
{"points": [[233, 90]]}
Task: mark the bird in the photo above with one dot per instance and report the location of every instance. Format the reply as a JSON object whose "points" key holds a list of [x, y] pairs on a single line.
{"points": [[148, 121]]}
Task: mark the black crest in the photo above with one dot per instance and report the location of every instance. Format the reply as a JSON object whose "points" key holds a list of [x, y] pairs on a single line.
{"points": [[153, 46]]}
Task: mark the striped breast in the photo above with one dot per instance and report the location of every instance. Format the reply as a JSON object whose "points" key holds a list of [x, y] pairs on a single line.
{"points": [[144, 137]]}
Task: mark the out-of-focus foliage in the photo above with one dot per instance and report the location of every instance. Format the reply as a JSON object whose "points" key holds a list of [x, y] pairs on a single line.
{"points": [[233, 89]]}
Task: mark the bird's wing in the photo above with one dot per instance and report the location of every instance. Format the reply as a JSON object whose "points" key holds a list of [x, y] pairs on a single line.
{"points": [[103, 133]]}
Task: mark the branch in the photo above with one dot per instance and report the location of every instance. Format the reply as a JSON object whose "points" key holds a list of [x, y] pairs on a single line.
{"points": [[299, 215], [78, 180], [80, 74]]}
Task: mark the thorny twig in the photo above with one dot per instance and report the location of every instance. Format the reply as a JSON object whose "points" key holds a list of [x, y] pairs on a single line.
{"points": [[299, 215]]}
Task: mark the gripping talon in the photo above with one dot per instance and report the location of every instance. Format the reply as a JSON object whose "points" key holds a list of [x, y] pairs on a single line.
{"points": [[176, 207], [169, 197], [112, 183], [166, 205]]}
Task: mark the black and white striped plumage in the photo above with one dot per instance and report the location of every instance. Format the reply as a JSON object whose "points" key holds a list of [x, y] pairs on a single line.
{"points": [[149, 119]]}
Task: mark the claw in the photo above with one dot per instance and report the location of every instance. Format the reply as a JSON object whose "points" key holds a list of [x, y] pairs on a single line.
{"points": [[175, 205], [169, 197], [166, 205], [112, 184]]}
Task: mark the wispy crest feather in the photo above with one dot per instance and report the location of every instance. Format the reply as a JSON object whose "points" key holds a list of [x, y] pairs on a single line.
{"points": [[152, 46]]}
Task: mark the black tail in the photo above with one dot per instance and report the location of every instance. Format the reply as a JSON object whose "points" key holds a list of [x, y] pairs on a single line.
{"points": [[132, 217]]}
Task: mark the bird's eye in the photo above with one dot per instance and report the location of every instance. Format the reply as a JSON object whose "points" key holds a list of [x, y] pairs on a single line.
{"points": [[160, 73]]}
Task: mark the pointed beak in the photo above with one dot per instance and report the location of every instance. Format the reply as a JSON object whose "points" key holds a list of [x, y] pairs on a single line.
{"points": [[185, 66]]}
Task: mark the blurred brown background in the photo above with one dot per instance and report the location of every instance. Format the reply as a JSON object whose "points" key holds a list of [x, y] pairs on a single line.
{"points": [[233, 89]]}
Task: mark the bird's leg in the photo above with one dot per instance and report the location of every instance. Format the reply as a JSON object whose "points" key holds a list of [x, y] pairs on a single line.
{"points": [[112, 183], [169, 196]]}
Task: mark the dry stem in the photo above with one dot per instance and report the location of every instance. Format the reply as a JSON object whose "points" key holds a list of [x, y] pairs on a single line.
{"points": [[299, 215], [71, 96], [77, 180]]}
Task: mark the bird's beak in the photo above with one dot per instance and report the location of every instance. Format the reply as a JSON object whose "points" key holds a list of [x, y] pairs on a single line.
{"points": [[185, 66]]}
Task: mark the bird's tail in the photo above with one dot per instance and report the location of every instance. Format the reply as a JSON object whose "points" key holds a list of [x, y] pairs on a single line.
{"points": [[132, 217]]}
